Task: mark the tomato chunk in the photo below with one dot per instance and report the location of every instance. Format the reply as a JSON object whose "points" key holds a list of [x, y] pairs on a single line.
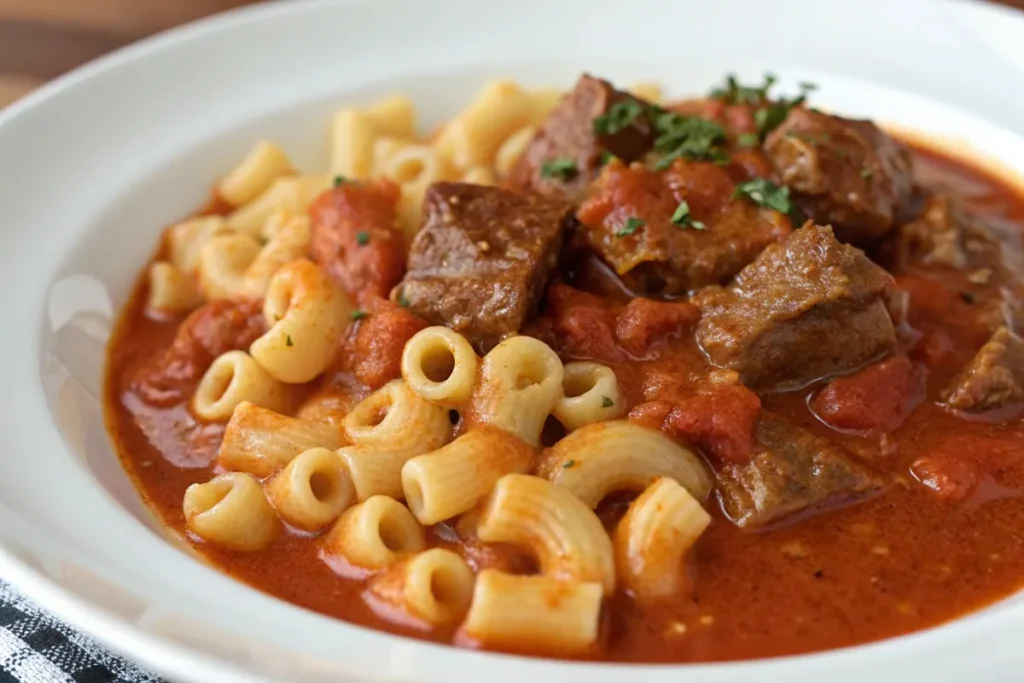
{"points": [[583, 327], [950, 477], [379, 341], [644, 321], [875, 400]]}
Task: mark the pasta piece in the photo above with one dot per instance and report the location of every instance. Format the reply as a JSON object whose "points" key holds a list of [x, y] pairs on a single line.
{"points": [[260, 441], [440, 365], [533, 613], [290, 193], [186, 240], [520, 381], [234, 377], [653, 537], [414, 168], [590, 393], [542, 102], [384, 149], [511, 149], [566, 537], [651, 92], [474, 136], [312, 490], [619, 455], [307, 314], [373, 535], [453, 479], [289, 241], [223, 261], [479, 175], [394, 115], [230, 511], [171, 290], [432, 588], [262, 166], [351, 152]]}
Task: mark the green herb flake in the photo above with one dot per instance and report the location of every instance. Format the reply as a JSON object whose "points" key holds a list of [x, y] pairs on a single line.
{"points": [[288, 340], [631, 226], [606, 402], [618, 118], [562, 169], [808, 86], [358, 315], [734, 93], [688, 137], [765, 193], [748, 140], [682, 218], [340, 180], [866, 173], [606, 157], [362, 238], [402, 301], [567, 464]]}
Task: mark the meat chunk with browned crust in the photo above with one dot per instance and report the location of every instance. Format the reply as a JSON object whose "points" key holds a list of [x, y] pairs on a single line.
{"points": [[569, 135], [993, 379], [843, 172], [805, 309], [483, 258], [791, 470]]}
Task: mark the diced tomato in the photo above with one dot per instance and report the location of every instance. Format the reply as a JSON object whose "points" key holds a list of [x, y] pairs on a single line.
{"points": [[645, 321], [355, 237], [563, 297], [950, 477], [875, 400], [379, 341], [582, 326], [704, 185]]}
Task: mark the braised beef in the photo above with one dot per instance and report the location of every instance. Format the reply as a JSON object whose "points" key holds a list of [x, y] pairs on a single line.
{"points": [[569, 135], [482, 259], [843, 172], [790, 470], [993, 379], [807, 308]]}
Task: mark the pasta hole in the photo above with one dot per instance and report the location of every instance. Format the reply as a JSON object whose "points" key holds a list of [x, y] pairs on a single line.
{"points": [[322, 485], [531, 374], [393, 535], [438, 364], [453, 416], [407, 170], [377, 415], [552, 433], [220, 384], [578, 384], [444, 586]]}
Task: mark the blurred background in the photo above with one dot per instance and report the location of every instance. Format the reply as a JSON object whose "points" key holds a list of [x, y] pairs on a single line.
{"points": [[41, 39]]}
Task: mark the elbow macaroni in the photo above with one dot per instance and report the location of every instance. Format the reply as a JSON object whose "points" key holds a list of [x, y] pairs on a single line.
{"points": [[262, 166], [312, 490], [230, 511], [234, 377], [293, 194], [590, 393], [440, 365], [171, 290], [373, 535], [474, 136], [432, 588], [260, 441]]}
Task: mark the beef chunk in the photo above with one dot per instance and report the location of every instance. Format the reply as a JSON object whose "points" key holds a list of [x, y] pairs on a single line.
{"points": [[994, 379], [708, 246], [843, 172], [790, 470], [804, 309], [569, 133], [482, 259]]}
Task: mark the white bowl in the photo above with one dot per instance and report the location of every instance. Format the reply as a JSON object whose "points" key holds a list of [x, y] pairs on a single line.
{"points": [[93, 165]]}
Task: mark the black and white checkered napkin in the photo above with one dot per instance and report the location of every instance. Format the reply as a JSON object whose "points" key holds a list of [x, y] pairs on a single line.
{"points": [[35, 647]]}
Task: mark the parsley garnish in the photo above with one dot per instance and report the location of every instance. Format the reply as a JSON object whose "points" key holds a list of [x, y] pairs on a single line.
{"points": [[618, 117], [631, 226], [362, 238], [563, 169], [748, 140], [606, 402], [606, 157], [358, 315], [734, 93], [682, 218], [765, 193], [402, 301], [688, 137], [288, 340], [768, 114], [567, 464], [340, 180], [866, 173]]}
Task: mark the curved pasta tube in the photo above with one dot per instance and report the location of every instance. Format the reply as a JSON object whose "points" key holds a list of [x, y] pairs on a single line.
{"points": [[590, 393], [512, 149], [307, 315], [261, 166], [653, 537], [520, 381], [223, 261], [453, 479], [440, 365], [474, 136], [292, 193], [171, 290], [288, 242], [598, 459], [533, 613], [479, 175], [372, 535], [312, 490], [260, 441], [234, 377], [566, 537], [414, 168], [393, 115], [433, 588], [230, 511], [185, 240]]}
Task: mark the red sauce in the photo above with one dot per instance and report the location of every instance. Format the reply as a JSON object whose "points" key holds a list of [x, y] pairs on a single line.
{"points": [[945, 539]]}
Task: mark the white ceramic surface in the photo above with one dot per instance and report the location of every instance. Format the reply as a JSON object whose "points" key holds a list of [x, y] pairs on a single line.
{"points": [[92, 167]]}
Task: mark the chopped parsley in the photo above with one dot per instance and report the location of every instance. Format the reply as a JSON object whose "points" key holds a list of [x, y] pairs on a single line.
{"points": [[734, 93], [748, 140], [606, 402], [765, 193], [340, 180], [567, 464], [358, 315], [288, 340], [606, 157], [563, 169], [866, 173], [362, 238], [402, 301], [682, 218], [618, 118], [631, 226], [688, 137], [769, 113]]}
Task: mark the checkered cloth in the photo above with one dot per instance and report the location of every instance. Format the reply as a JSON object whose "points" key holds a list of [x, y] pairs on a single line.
{"points": [[37, 648]]}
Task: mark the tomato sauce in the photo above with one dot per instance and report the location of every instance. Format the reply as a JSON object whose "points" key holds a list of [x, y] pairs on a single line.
{"points": [[904, 560]]}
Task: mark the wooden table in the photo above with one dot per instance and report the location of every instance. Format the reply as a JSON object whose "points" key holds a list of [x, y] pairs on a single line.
{"points": [[40, 39]]}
